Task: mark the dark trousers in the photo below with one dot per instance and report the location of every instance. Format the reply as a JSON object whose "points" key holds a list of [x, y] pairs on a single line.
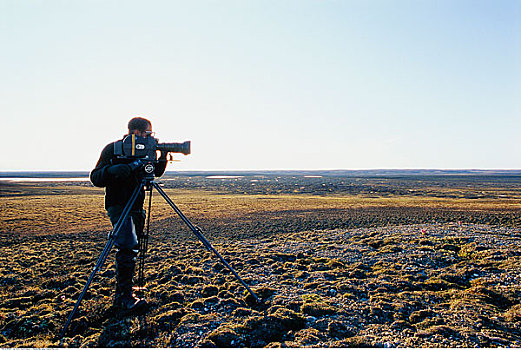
{"points": [[126, 243]]}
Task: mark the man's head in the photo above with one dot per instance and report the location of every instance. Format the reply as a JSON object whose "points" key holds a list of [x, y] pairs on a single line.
{"points": [[140, 127]]}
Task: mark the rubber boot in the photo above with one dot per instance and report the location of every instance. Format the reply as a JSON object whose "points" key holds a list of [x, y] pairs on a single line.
{"points": [[125, 267]]}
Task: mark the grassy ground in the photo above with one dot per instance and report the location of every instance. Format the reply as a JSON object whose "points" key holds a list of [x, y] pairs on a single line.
{"points": [[369, 263]]}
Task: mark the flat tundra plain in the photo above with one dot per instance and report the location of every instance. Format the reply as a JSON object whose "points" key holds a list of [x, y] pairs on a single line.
{"points": [[338, 261]]}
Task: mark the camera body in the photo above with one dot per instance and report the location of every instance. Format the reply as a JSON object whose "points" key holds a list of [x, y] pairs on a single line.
{"points": [[133, 146], [137, 151]]}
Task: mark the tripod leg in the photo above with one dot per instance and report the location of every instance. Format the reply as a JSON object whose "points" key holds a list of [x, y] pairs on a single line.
{"points": [[143, 245], [104, 254], [198, 232]]}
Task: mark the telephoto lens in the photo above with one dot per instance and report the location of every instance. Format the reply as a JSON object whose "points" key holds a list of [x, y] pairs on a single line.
{"points": [[175, 147]]}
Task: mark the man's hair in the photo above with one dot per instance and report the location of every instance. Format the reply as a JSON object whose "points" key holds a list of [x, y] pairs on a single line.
{"points": [[138, 123]]}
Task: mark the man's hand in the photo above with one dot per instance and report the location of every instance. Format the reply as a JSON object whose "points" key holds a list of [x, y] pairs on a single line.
{"points": [[120, 170], [135, 165], [163, 155]]}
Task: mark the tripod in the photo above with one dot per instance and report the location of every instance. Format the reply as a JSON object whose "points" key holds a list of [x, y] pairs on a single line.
{"points": [[149, 184]]}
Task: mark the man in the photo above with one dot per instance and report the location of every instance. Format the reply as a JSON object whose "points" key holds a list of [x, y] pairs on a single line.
{"points": [[120, 181]]}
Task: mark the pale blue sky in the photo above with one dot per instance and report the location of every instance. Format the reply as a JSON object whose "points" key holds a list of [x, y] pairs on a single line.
{"points": [[264, 84]]}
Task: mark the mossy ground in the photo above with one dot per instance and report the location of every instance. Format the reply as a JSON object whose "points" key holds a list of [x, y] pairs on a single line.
{"points": [[335, 270]]}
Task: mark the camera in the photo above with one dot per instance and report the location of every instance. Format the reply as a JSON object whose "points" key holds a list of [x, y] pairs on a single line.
{"points": [[133, 146], [140, 151]]}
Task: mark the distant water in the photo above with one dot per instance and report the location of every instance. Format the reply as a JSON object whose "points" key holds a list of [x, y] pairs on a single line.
{"points": [[223, 177]]}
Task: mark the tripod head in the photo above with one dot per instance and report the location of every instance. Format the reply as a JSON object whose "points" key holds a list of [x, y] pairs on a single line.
{"points": [[142, 168]]}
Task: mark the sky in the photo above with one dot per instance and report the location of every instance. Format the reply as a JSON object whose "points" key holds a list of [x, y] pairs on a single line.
{"points": [[264, 84]]}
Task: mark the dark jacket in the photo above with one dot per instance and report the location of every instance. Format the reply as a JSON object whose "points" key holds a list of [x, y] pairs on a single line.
{"points": [[117, 190]]}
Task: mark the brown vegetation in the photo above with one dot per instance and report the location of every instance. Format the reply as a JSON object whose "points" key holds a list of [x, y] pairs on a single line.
{"points": [[369, 263]]}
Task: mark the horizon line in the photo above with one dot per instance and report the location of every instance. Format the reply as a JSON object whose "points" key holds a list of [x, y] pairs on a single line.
{"points": [[284, 170]]}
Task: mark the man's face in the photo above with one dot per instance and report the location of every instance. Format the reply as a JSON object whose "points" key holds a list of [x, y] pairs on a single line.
{"points": [[145, 133]]}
